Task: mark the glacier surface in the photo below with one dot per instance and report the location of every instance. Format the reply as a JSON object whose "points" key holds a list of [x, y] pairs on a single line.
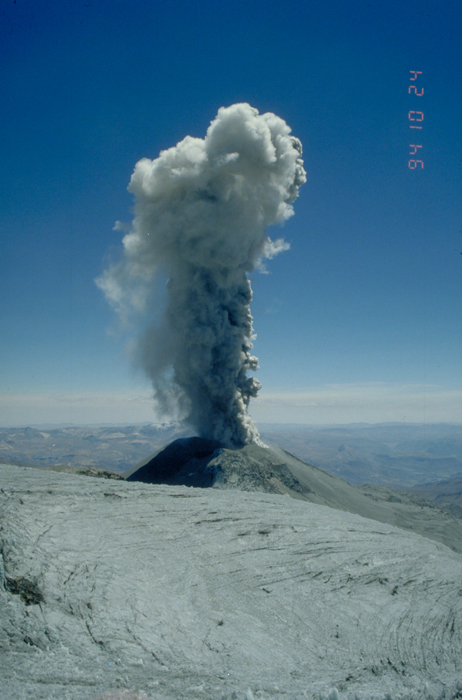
{"points": [[123, 590]]}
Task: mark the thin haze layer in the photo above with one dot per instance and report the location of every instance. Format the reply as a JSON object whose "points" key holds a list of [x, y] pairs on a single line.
{"points": [[201, 209]]}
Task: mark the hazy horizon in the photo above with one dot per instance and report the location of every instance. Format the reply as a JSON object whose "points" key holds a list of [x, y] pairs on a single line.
{"points": [[262, 424]]}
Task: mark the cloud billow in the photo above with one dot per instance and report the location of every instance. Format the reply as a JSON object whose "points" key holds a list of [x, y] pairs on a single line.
{"points": [[201, 210]]}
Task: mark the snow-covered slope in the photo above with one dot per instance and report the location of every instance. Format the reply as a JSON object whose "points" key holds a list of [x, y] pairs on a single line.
{"points": [[198, 462], [204, 593]]}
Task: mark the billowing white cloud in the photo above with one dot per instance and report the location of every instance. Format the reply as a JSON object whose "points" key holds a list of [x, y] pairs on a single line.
{"points": [[201, 210]]}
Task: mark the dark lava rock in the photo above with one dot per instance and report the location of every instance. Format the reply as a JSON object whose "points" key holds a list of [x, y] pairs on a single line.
{"points": [[183, 461], [26, 589]]}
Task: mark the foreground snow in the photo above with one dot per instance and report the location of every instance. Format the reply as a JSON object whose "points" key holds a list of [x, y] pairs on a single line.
{"points": [[174, 592]]}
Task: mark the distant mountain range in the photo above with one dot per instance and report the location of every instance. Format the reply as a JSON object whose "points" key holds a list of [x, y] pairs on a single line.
{"points": [[394, 454], [107, 447], [389, 453]]}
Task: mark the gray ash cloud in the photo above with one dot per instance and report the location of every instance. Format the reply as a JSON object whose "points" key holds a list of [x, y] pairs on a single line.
{"points": [[201, 212]]}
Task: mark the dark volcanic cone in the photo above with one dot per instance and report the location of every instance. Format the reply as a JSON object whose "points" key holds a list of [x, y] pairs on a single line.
{"points": [[183, 461], [203, 463]]}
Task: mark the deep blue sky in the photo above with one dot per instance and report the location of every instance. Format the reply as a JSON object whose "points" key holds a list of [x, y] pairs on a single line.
{"points": [[361, 319]]}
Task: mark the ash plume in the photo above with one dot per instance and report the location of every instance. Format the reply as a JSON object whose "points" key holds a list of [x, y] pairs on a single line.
{"points": [[201, 209]]}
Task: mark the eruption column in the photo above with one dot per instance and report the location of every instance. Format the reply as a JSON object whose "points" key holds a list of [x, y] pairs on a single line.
{"points": [[201, 209]]}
